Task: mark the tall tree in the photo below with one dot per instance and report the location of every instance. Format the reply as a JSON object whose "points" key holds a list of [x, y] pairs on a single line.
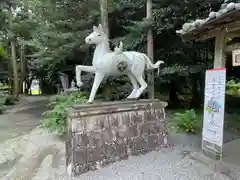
{"points": [[104, 15], [12, 37]]}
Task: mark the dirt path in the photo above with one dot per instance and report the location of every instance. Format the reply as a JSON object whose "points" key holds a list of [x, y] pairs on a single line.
{"points": [[22, 118]]}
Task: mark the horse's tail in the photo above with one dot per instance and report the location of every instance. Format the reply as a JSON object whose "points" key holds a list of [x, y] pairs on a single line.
{"points": [[150, 65]]}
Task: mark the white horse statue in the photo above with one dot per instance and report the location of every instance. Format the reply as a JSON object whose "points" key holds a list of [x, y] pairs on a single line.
{"points": [[107, 63]]}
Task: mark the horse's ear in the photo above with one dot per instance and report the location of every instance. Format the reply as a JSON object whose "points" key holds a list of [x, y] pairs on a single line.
{"points": [[95, 28], [100, 27]]}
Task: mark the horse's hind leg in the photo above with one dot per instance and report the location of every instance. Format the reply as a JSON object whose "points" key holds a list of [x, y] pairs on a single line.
{"points": [[135, 86], [143, 86]]}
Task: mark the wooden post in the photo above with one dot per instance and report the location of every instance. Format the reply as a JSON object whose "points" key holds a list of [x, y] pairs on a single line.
{"points": [[150, 50], [219, 55]]}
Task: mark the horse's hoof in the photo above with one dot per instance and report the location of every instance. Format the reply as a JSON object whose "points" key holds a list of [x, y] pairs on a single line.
{"points": [[89, 102], [132, 98]]}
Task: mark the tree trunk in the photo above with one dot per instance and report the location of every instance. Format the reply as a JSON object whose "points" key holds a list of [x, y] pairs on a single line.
{"points": [[104, 15], [15, 86], [173, 99], [15, 69], [195, 101], [150, 50], [23, 67], [10, 72]]}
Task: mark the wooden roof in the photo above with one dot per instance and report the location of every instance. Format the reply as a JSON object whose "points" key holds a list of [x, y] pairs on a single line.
{"points": [[227, 18]]}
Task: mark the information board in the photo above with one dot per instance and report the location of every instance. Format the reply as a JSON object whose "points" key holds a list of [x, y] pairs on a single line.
{"points": [[236, 57], [214, 105]]}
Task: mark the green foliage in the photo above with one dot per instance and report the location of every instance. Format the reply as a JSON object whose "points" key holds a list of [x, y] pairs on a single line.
{"points": [[3, 62], [186, 121], [53, 33], [55, 119], [63, 25], [233, 88], [2, 52]]}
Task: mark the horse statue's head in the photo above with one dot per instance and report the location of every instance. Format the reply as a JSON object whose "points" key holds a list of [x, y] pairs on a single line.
{"points": [[97, 36]]}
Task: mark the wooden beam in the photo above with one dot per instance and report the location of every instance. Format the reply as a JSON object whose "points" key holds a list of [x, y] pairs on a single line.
{"points": [[233, 35], [209, 34], [226, 28], [219, 54], [232, 47]]}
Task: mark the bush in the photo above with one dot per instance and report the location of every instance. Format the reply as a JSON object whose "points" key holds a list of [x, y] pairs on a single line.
{"points": [[55, 119], [233, 88], [2, 107], [10, 100], [187, 121]]}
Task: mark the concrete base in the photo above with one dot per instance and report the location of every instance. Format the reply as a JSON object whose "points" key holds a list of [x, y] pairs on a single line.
{"points": [[103, 133], [230, 163]]}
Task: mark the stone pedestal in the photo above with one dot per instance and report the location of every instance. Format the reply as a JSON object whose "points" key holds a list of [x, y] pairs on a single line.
{"points": [[102, 133]]}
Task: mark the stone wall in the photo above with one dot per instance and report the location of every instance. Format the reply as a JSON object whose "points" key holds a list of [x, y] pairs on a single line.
{"points": [[99, 134]]}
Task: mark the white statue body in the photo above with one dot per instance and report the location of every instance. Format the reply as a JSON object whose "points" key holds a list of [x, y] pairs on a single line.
{"points": [[108, 63]]}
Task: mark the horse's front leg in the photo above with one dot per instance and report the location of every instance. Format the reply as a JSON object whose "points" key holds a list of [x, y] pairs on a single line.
{"points": [[97, 81], [79, 69]]}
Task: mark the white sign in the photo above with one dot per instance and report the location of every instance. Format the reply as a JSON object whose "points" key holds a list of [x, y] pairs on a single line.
{"points": [[35, 87], [236, 57], [214, 101]]}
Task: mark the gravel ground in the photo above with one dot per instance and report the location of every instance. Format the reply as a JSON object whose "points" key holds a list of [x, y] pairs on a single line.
{"points": [[165, 165], [46, 161], [39, 155]]}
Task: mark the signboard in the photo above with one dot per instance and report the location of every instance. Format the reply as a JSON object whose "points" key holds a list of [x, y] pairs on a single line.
{"points": [[236, 57], [213, 119]]}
